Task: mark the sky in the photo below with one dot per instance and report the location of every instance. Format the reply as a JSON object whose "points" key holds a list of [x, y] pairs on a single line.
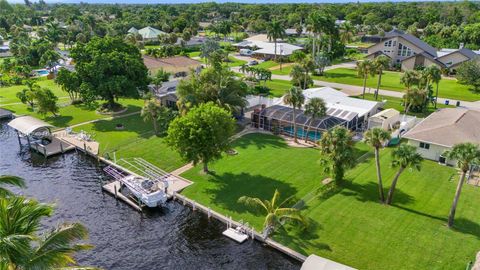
{"points": [[200, 1]]}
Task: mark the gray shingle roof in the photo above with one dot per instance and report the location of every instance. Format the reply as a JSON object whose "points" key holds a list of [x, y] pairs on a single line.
{"points": [[412, 39]]}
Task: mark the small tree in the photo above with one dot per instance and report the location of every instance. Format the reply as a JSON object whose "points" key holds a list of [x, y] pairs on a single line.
{"points": [[203, 134], [403, 157], [69, 82], [151, 112], [365, 69], [466, 154], [315, 108], [47, 102], [276, 213], [469, 73], [410, 78], [415, 98], [380, 63], [336, 148], [376, 137], [295, 98], [29, 94]]}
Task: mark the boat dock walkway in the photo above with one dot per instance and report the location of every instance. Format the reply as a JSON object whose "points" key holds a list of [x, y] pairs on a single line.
{"points": [[114, 189]]}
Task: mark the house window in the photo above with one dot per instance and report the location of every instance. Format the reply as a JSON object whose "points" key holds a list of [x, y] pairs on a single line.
{"points": [[394, 43], [404, 50], [425, 145], [388, 43]]}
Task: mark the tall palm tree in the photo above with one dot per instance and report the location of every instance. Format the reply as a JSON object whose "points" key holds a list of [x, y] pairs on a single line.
{"points": [[466, 154], [297, 74], [315, 108], [10, 180], [409, 78], [308, 65], [365, 69], [276, 212], [20, 245], [275, 30], [403, 157], [295, 98], [376, 137], [414, 97], [380, 63], [432, 74], [347, 31], [150, 112]]}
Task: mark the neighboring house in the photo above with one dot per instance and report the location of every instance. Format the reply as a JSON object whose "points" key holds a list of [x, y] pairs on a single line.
{"points": [[148, 33], [178, 66], [443, 129], [166, 93], [262, 48], [409, 52]]}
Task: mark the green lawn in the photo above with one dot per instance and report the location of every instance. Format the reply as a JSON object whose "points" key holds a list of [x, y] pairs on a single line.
{"points": [[235, 62], [448, 88], [349, 225], [267, 64], [396, 103], [8, 94], [278, 87], [135, 140], [194, 54]]}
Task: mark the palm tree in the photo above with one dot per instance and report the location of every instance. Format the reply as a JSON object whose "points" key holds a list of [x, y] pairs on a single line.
{"points": [[409, 78], [347, 31], [315, 108], [295, 98], [318, 23], [297, 74], [466, 154], [20, 245], [275, 30], [244, 68], [432, 74], [414, 97], [308, 65], [376, 137], [380, 63], [336, 149], [10, 180], [151, 112], [365, 68], [402, 157], [276, 213]]}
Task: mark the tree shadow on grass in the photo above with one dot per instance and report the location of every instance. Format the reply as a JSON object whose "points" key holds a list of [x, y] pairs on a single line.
{"points": [[466, 226], [132, 123], [60, 120], [369, 192], [301, 239], [230, 187], [261, 141]]}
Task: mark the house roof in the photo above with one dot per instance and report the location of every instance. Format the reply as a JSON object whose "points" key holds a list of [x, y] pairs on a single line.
{"points": [[150, 32], [28, 124], [412, 39], [386, 114], [171, 64], [447, 127], [339, 100], [133, 30], [464, 51], [428, 56]]}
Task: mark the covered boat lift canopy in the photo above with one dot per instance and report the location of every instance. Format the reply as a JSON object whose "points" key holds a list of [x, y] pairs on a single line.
{"points": [[314, 262], [28, 125]]}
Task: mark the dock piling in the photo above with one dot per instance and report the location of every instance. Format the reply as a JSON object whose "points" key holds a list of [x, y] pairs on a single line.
{"points": [[209, 213], [116, 192], [193, 206]]}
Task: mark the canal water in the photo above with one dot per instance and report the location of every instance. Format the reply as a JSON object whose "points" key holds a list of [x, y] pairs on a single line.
{"points": [[174, 237]]}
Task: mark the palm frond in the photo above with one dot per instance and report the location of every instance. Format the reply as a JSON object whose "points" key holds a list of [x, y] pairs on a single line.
{"points": [[253, 202]]}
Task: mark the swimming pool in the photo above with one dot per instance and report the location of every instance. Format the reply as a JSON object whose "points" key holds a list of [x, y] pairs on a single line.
{"points": [[301, 133], [41, 72]]}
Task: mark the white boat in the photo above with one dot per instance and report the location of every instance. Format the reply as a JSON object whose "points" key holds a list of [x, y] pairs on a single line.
{"points": [[151, 193], [238, 234]]}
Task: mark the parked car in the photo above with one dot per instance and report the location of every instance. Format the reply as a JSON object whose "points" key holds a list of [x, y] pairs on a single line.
{"points": [[253, 63]]}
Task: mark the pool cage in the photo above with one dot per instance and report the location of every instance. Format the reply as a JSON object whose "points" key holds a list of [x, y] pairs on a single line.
{"points": [[279, 120]]}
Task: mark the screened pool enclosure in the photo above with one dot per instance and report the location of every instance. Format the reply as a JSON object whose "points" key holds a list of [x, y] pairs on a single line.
{"points": [[279, 120]]}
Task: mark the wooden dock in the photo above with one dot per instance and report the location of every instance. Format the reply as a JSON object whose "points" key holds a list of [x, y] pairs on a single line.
{"points": [[114, 189], [57, 146]]}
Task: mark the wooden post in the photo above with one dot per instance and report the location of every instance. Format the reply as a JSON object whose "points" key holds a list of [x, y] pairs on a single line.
{"points": [[209, 213], [44, 151], [61, 147], [115, 188], [85, 147], [28, 140], [18, 136], [194, 206]]}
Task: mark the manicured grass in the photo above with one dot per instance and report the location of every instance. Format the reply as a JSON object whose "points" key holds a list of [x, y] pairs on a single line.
{"points": [[194, 54], [137, 139], [348, 225], [278, 87], [267, 64], [235, 62], [284, 71], [8, 94], [396, 103], [448, 88], [73, 114]]}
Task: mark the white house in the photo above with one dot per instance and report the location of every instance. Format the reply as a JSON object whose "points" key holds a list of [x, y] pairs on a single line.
{"points": [[262, 47], [443, 129]]}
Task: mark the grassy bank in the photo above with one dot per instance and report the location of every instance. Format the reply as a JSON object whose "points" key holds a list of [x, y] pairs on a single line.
{"points": [[348, 226]]}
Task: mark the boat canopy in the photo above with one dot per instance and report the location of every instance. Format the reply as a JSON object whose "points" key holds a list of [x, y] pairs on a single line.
{"points": [[28, 125]]}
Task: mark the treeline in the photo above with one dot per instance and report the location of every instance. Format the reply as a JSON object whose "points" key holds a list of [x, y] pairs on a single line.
{"points": [[443, 24]]}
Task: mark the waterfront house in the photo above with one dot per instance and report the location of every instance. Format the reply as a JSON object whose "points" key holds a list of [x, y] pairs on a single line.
{"points": [[443, 129]]}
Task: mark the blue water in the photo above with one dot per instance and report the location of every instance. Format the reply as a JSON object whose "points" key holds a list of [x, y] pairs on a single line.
{"points": [[302, 133], [42, 72]]}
